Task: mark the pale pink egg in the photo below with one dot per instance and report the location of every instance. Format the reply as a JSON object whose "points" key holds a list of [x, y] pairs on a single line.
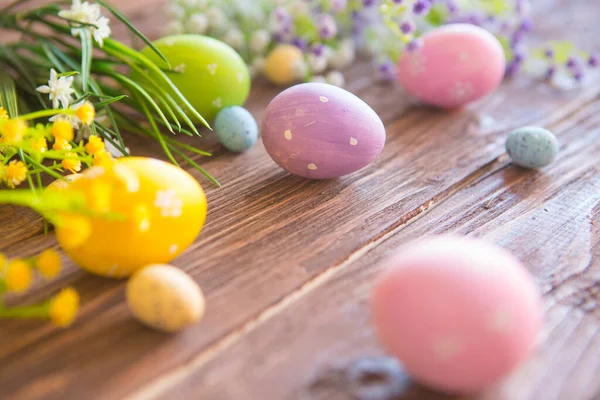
{"points": [[459, 313], [457, 64]]}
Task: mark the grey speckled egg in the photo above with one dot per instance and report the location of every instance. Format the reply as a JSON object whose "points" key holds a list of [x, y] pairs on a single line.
{"points": [[236, 128], [532, 147]]}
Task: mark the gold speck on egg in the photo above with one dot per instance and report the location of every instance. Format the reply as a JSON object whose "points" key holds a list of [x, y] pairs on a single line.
{"points": [[323, 99], [312, 167], [353, 141], [173, 249], [288, 135], [212, 68]]}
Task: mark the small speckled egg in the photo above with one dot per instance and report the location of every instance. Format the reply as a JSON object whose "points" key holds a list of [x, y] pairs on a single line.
{"points": [[209, 73], [282, 63], [161, 210], [236, 129], [165, 298], [457, 64], [319, 131], [532, 147], [459, 313]]}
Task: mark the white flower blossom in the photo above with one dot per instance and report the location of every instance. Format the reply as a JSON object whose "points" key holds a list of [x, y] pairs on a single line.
{"points": [[88, 14], [58, 89], [318, 64], [259, 41], [197, 23], [336, 78], [235, 38]]}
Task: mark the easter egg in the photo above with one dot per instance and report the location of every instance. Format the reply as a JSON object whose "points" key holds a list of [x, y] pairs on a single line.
{"points": [[144, 211], [459, 313], [283, 65], [456, 64], [320, 131], [209, 73], [164, 298], [236, 128], [532, 147]]}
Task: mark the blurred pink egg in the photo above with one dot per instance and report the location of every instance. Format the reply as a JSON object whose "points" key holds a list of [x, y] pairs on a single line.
{"points": [[459, 313], [457, 64]]}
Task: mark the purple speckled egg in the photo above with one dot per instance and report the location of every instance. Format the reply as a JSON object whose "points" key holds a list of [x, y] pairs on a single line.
{"points": [[457, 64], [320, 131]]}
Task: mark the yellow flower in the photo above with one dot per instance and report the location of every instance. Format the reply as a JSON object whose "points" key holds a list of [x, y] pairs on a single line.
{"points": [[15, 173], [64, 307], [48, 263], [39, 144], [14, 130], [71, 162], [18, 276], [103, 159], [62, 144], [86, 113], [73, 231], [3, 113], [62, 129], [95, 145]]}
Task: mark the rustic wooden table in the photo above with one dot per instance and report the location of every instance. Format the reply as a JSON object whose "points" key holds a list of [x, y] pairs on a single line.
{"points": [[287, 264]]}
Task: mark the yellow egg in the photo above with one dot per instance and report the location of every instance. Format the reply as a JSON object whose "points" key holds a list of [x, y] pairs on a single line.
{"points": [[165, 298], [281, 63], [146, 212], [63, 183]]}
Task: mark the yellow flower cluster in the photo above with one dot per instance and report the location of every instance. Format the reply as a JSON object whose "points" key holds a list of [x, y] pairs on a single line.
{"points": [[31, 144], [17, 275]]}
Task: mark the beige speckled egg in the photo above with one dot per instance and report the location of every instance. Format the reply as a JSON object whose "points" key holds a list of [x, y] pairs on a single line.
{"points": [[165, 298]]}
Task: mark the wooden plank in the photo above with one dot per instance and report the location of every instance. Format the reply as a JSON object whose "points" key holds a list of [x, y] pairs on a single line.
{"points": [[549, 219], [269, 234]]}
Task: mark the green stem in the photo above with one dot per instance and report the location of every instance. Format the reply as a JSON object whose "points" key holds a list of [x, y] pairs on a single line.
{"points": [[45, 113], [37, 311], [23, 198]]}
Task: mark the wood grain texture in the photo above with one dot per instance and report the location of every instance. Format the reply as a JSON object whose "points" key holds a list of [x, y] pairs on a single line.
{"points": [[286, 263], [544, 218]]}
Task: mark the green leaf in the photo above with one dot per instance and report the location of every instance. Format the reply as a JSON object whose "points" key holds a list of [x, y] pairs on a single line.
{"points": [[8, 95], [68, 74], [133, 29], [86, 58], [109, 101], [437, 15]]}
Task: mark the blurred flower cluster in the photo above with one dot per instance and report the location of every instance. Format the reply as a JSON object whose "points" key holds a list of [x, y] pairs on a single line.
{"points": [[331, 32], [17, 276]]}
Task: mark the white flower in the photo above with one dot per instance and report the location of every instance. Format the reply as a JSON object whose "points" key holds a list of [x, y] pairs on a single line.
{"points": [[58, 89], [174, 27], [299, 69], [336, 78], [197, 23], [318, 79], [88, 14], [259, 41], [317, 63], [174, 11], [112, 150], [103, 30], [169, 204], [257, 66], [235, 38], [217, 19]]}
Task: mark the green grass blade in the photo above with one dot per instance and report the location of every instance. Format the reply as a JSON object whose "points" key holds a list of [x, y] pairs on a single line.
{"points": [[86, 57], [111, 100], [8, 95], [161, 140], [133, 29]]}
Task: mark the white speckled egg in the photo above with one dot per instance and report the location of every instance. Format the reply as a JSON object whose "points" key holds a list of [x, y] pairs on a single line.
{"points": [[165, 298], [532, 147], [319, 131], [236, 129]]}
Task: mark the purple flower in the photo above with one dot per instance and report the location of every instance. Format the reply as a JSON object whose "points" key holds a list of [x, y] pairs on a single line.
{"points": [[386, 71], [452, 6], [318, 50], [414, 45], [594, 60], [512, 69], [549, 53], [578, 75], [519, 56], [281, 15], [407, 27], [327, 26], [474, 19], [337, 6], [300, 43], [368, 3], [421, 7], [515, 39], [572, 63], [550, 72], [526, 25], [522, 7], [398, 1]]}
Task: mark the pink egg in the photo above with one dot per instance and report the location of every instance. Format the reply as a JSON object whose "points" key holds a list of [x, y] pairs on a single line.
{"points": [[457, 64], [459, 313]]}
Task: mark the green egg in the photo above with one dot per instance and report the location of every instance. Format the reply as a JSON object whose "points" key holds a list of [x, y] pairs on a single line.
{"points": [[210, 74]]}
